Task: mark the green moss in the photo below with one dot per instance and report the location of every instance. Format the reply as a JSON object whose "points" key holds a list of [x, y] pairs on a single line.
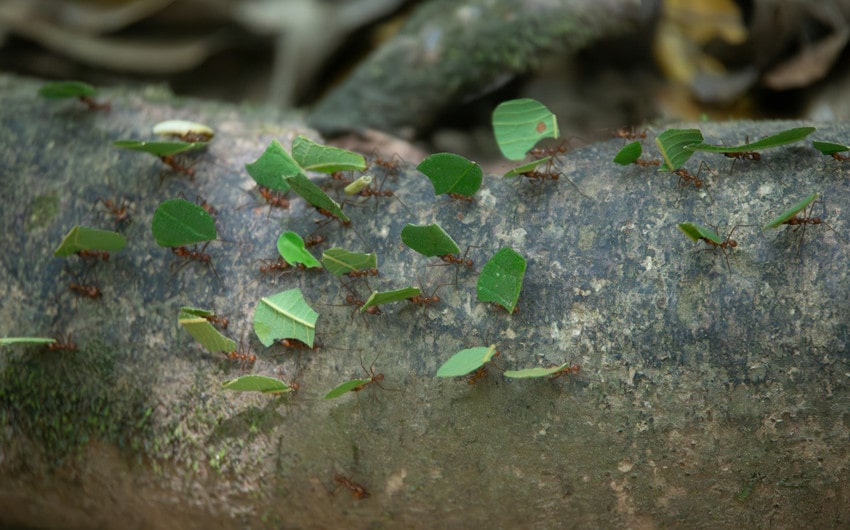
{"points": [[42, 210], [62, 401]]}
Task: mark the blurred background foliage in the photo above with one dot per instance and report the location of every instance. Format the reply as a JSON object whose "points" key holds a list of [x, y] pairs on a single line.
{"points": [[662, 60]]}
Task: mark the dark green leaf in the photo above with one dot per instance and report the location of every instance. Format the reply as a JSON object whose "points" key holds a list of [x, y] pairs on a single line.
{"points": [[84, 238], [429, 240], [66, 89], [285, 315], [272, 168], [501, 278], [628, 154], [451, 173], [388, 297], [791, 212], [339, 261], [313, 194], [292, 249], [673, 142], [159, 148], [178, 222], [345, 388], [775, 140], [324, 158]]}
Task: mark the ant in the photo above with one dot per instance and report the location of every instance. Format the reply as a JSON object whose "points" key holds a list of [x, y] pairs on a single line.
{"points": [[194, 255], [59, 345], [569, 369], [628, 133], [451, 258], [390, 165], [171, 161], [840, 157], [357, 491], [274, 198], [351, 299], [221, 322], [92, 291], [296, 344], [726, 243], [314, 240], [331, 216], [242, 354], [481, 372], [278, 265], [460, 197], [94, 105], [685, 176], [340, 177], [537, 153], [373, 377], [804, 218], [362, 273], [93, 254], [743, 155], [646, 163], [118, 211]]}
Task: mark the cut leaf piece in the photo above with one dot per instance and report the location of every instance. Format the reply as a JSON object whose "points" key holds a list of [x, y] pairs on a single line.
{"points": [[188, 131], [697, 232], [774, 140], [159, 149], [785, 216], [9, 341], [519, 124], [451, 173], [829, 148], [66, 89], [672, 144], [501, 278], [324, 158], [178, 222], [525, 168], [534, 372], [429, 240], [272, 168], [258, 383], [628, 154], [313, 194], [466, 361], [285, 315], [340, 262], [203, 331], [84, 238], [292, 249], [358, 185], [388, 297], [345, 388]]}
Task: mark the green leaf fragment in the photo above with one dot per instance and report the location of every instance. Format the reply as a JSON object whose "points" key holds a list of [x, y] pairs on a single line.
{"points": [[66, 89], [466, 361], [451, 173], [673, 143], [628, 154], [358, 185], [697, 232], [313, 194], [525, 168], [345, 388], [285, 315], [519, 124], [791, 212], [257, 383], [774, 140], [501, 278], [159, 149], [388, 297], [829, 148], [178, 222], [9, 341], [533, 372], [314, 156], [84, 238], [182, 128], [192, 319], [429, 240], [272, 168], [292, 249], [340, 262]]}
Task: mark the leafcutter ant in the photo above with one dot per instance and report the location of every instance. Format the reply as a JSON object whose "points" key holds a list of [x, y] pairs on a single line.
{"points": [[629, 134], [330, 217], [243, 354], [481, 372], [193, 255], [357, 302], [221, 322], [274, 198], [117, 211], [94, 105], [569, 369], [646, 163], [840, 157], [312, 241], [91, 290], [357, 490], [699, 233], [801, 215], [460, 197], [370, 373], [171, 161], [93, 254], [62, 344], [742, 155]]}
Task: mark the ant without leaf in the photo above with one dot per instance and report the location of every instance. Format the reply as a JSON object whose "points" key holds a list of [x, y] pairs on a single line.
{"points": [[357, 490], [117, 211], [628, 133], [91, 291], [193, 255], [62, 344]]}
